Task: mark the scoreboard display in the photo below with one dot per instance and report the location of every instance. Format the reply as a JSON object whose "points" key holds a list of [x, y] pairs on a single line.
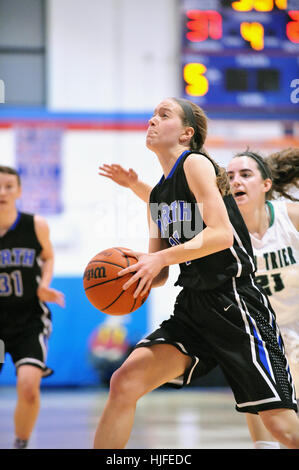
{"points": [[241, 56]]}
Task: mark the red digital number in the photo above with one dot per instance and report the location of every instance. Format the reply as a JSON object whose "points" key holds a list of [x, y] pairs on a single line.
{"points": [[292, 30], [204, 24]]}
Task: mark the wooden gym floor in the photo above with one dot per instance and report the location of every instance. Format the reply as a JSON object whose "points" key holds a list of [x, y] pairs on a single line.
{"points": [[175, 419]]}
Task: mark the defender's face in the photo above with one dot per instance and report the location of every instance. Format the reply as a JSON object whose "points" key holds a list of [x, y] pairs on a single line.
{"points": [[10, 191], [165, 126], [246, 181]]}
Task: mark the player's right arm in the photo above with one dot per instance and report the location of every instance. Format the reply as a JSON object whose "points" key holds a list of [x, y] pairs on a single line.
{"points": [[126, 178], [156, 243]]}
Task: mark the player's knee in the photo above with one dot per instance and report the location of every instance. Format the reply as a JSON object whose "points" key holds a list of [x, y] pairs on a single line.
{"points": [[28, 391], [124, 385]]}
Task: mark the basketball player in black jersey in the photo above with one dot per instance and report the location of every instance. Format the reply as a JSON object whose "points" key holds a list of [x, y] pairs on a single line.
{"points": [[221, 316], [26, 267]]}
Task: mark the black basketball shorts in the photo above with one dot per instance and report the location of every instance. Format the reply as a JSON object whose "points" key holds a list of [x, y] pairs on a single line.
{"points": [[233, 327], [27, 343]]}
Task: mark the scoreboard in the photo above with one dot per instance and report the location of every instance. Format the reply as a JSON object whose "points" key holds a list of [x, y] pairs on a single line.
{"points": [[241, 56]]}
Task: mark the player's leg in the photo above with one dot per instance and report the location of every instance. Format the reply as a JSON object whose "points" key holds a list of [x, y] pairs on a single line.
{"points": [[29, 352], [294, 366], [144, 370], [28, 400], [261, 437], [283, 424], [290, 335]]}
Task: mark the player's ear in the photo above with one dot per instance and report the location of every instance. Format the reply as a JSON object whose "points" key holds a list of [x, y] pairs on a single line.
{"points": [[19, 191], [267, 183], [187, 135]]}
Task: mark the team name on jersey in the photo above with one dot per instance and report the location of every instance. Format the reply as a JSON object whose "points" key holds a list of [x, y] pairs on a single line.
{"points": [[17, 257], [178, 213], [278, 259]]}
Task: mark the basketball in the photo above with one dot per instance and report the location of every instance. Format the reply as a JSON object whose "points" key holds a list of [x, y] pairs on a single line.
{"points": [[104, 288]]}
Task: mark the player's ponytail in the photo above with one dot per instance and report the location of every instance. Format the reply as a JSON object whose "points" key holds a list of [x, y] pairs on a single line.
{"points": [[195, 117], [223, 181]]}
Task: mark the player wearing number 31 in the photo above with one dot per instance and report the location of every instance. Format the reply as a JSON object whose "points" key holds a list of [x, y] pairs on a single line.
{"points": [[26, 267]]}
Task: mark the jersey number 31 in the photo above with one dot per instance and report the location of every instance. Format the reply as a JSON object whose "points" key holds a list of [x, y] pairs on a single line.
{"points": [[11, 284]]}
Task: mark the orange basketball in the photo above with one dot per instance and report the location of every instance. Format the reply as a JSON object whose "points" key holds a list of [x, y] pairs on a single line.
{"points": [[103, 287]]}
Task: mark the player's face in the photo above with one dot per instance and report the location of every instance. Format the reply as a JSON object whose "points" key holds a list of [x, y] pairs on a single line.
{"points": [[247, 184], [10, 191], [165, 126]]}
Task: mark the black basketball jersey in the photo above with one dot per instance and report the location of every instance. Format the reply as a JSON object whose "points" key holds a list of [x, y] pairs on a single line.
{"points": [[174, 209], [19, 262]]}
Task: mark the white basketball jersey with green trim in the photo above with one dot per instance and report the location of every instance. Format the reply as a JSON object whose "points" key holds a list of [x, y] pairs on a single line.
{"points": [[277, 261]]}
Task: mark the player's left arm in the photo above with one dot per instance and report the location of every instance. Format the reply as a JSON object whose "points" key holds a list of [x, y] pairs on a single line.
{"points": [[44, 291], [293, 213]]}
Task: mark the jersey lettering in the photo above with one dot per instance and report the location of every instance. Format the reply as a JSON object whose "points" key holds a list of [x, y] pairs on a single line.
{"points": [[270, 284], [278, 259], [179, 215], [17, 257], [20, 265]]}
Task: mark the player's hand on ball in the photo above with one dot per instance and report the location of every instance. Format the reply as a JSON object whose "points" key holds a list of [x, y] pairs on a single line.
{"points": [[47, 294], [145, 270]]}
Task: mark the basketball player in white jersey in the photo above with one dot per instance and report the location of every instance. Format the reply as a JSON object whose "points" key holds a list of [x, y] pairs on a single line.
{"points": [[273, 228]]}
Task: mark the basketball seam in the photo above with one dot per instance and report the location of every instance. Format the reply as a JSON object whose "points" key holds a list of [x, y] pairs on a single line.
{"points": [[107, 262], [108, 306], [134, 303], [104, 282], [125, 255], [103, 309]]}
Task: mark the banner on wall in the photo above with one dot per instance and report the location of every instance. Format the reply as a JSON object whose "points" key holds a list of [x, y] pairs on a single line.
{"points": [[38, 159]]}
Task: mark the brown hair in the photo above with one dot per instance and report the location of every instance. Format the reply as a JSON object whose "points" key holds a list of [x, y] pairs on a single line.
{"points": [[195, 117], [281, 167], [284, 166], [10, 171]]}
